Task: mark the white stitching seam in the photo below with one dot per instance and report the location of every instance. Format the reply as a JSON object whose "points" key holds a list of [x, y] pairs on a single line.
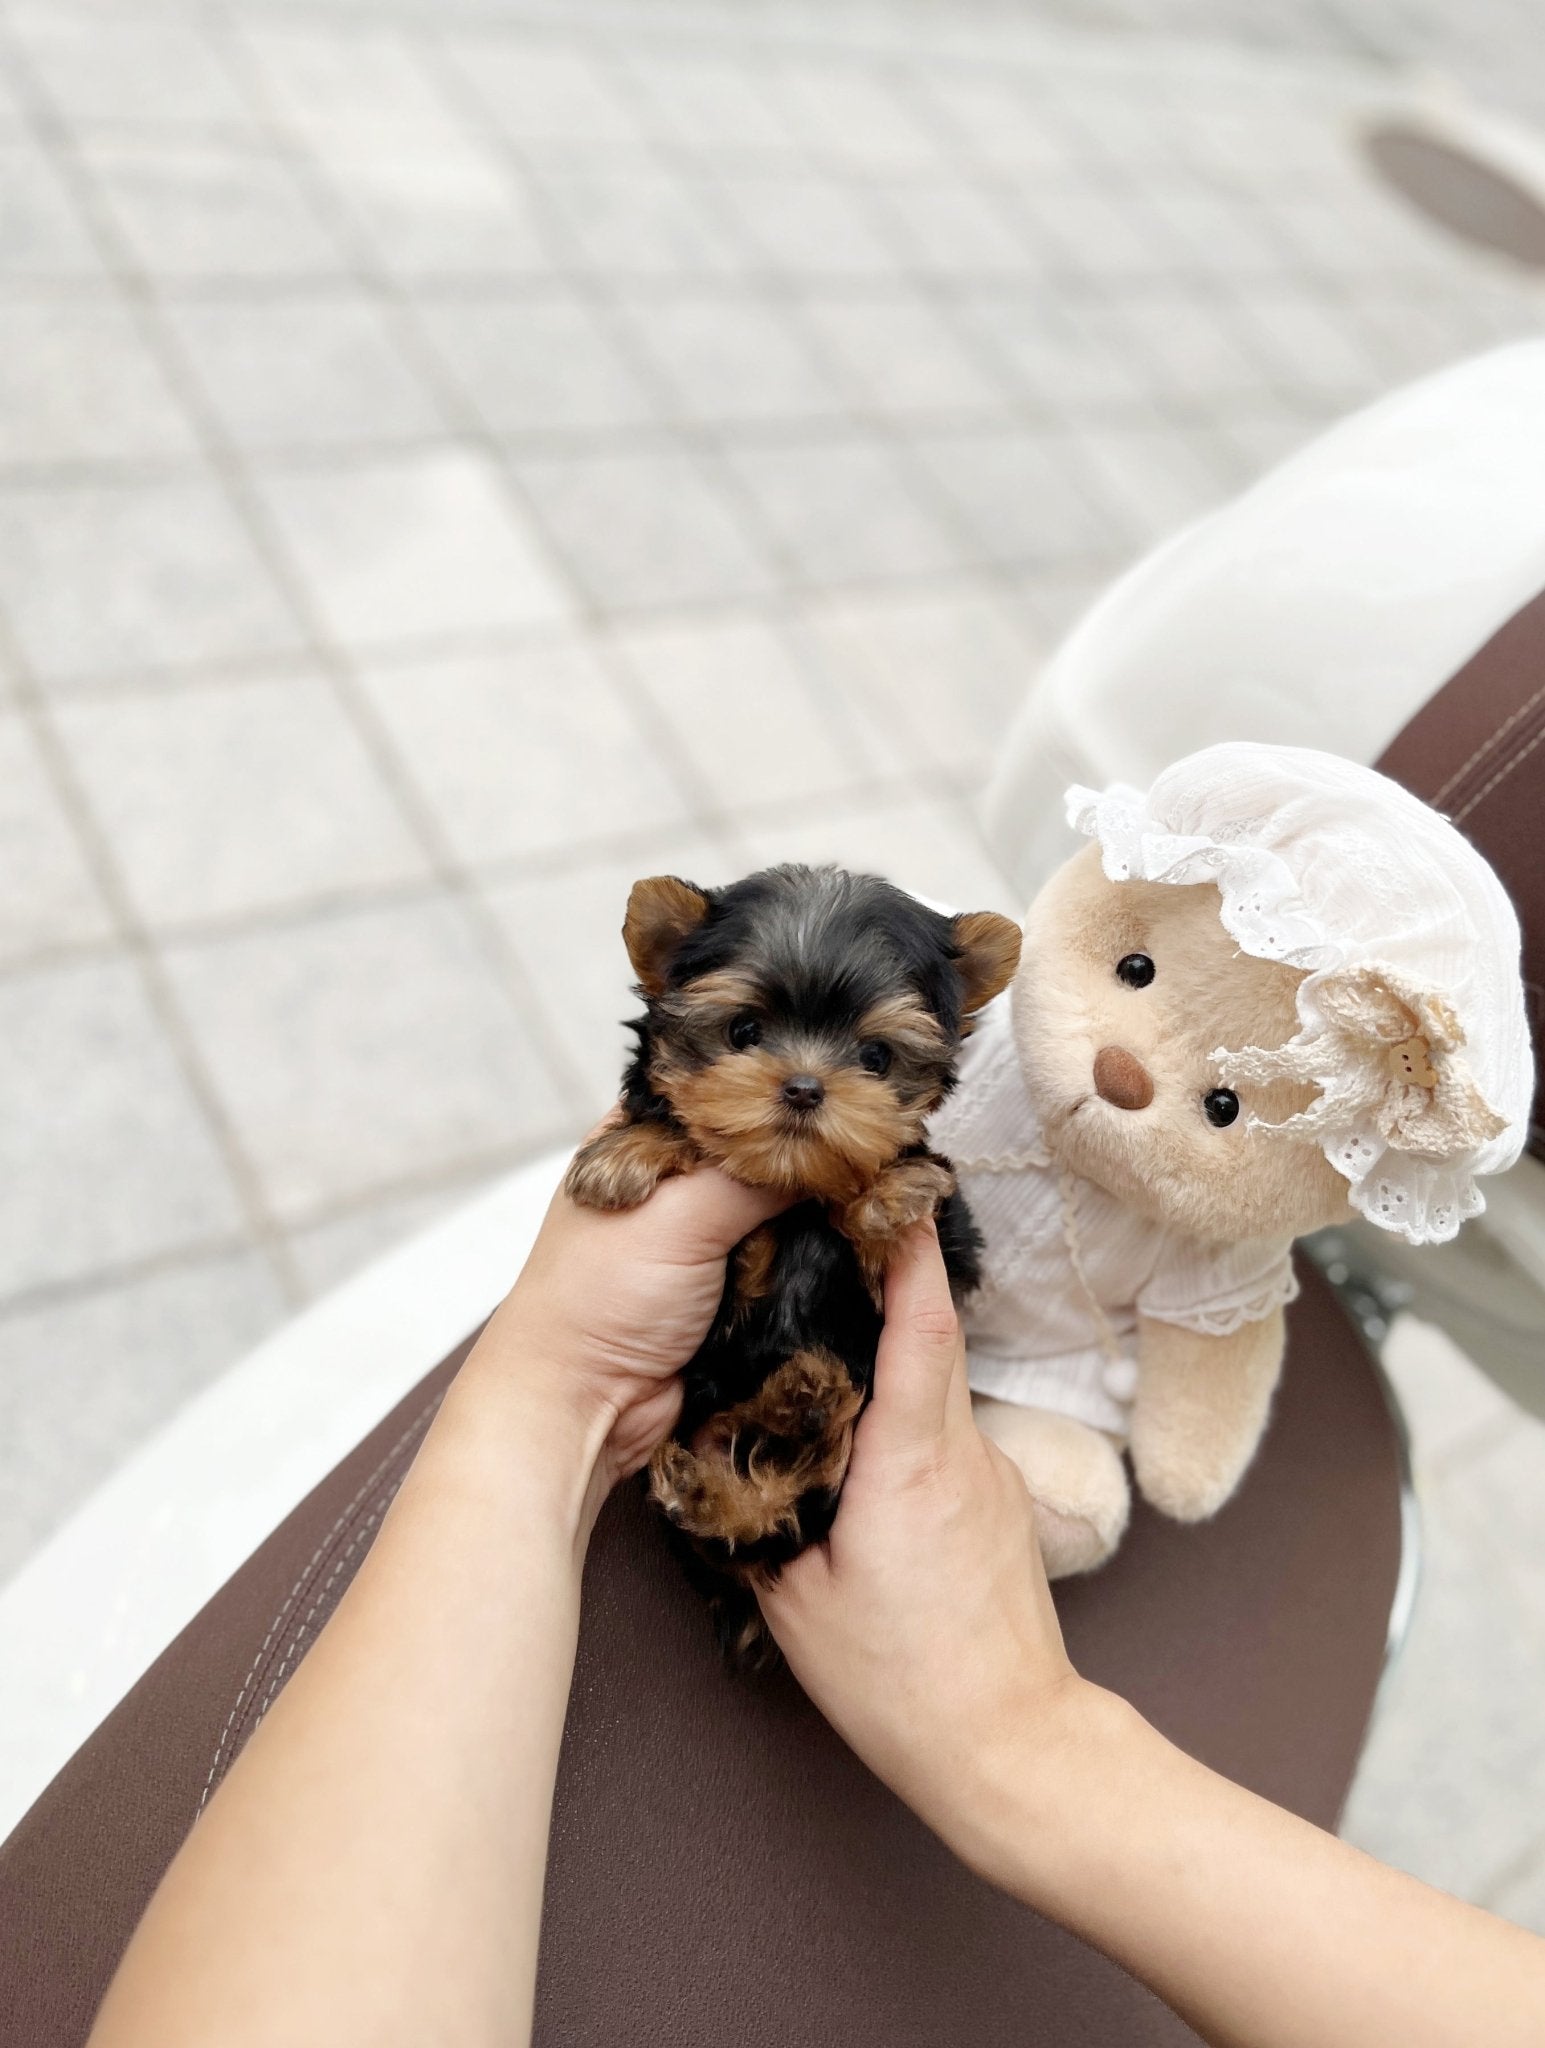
{"points": [[1486, 746], [292, 1654], [295, 1591], [1501, 775]]}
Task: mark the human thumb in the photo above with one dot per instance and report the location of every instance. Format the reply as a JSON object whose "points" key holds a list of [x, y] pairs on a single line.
{"points": [[920, 1369], [705, 1213]]}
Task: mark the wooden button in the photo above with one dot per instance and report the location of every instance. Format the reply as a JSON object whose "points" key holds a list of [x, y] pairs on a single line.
{"points": [[1410, 1062]]}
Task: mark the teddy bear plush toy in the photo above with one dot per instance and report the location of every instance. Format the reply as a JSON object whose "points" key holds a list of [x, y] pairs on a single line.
{"points": [[1275, 991]]}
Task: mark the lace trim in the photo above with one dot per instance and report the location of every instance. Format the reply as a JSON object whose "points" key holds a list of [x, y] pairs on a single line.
{"points": [[1354, 1016], [1222, 1319], [1003, 1162], [1421, 1200], [1261, 906], [1357, 1022]]}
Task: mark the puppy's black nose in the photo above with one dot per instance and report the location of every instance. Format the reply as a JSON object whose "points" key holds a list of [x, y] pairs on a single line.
{"points": [[803, 1091]]}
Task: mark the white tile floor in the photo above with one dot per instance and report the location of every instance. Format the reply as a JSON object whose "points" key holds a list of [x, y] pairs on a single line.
{"points": [[455, 456]]}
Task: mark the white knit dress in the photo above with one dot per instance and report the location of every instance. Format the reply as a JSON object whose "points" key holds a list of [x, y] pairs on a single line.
{"points": [[1067, 1267]]}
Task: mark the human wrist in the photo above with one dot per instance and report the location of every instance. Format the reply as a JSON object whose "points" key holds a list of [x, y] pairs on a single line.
{"points": [[1026, 1816], [521, 1423]]}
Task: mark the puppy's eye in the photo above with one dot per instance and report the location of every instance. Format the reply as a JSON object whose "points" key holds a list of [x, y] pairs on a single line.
{"points": [[744, 1032], [1221, 1106], [874, 1057], [1136, 970]]}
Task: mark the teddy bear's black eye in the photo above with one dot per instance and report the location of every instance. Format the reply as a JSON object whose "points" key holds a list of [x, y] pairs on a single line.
{"points": [[745, 1032], [1136, 970], [874, 1057], [1221, 1106]]}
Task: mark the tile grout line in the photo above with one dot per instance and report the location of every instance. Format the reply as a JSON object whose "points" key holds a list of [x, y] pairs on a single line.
{"points": [[266, 1234], [331, 658], [936, 289], [97, 686], [781, 289], [466, 1171], [363, 269], [703, 812], [52, 1294], [977, 41], [552, 864], [700, 440]]}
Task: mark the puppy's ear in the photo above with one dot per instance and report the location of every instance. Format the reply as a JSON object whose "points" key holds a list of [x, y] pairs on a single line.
{"points": [[661, 912], [986, 954]]}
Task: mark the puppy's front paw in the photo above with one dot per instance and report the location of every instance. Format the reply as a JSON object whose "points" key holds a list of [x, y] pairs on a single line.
{"points": [[623, 1166], [903, 1195]]}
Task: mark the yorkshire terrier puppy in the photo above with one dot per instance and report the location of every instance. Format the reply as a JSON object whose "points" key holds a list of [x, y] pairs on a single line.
{"points": [[799, 1027]]}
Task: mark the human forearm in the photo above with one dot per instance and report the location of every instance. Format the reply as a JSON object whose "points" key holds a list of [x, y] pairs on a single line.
{"points": [[384, 1832], [925, 1632], [1260, 1929], [371, 1870]]}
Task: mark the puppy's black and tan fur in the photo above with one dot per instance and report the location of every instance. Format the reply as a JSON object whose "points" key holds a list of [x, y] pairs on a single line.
{"points": [[799, 1027]]}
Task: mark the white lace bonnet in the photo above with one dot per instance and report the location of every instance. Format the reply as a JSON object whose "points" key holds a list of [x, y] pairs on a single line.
{"points": [[1412, 1012]]}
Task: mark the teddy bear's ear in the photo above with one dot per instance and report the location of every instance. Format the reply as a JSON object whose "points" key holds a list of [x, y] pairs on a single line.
{"points": [[661, 912], [986, 954]]}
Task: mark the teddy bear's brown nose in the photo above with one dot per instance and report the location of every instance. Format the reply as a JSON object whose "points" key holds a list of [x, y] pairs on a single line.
{"points": [[1121, 1078]]}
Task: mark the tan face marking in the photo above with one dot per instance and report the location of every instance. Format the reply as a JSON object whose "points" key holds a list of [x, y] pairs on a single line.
{"points": [[735, 1113], [739, 1110], [907, 1025], [725, 990]]}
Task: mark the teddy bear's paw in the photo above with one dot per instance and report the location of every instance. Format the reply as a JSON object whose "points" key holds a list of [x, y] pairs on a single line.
{"points": [[1200, 1412], [1183, 1480], [1071, 1544], [1078, 1485]]}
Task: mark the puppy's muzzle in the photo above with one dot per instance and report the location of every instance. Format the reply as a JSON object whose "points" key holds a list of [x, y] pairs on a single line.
{"points": [[803, 1092]]}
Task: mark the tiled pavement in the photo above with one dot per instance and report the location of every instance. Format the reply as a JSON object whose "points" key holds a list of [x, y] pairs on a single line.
{"points": [[454, 458]]}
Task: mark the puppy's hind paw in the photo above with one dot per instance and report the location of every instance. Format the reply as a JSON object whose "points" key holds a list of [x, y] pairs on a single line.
{"points": [[750, 1471], [708, 1499], [676, 1485]]}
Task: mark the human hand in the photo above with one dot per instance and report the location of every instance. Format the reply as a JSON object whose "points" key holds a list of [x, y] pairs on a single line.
{"points": [[924, 1629], [611, 1304]]}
